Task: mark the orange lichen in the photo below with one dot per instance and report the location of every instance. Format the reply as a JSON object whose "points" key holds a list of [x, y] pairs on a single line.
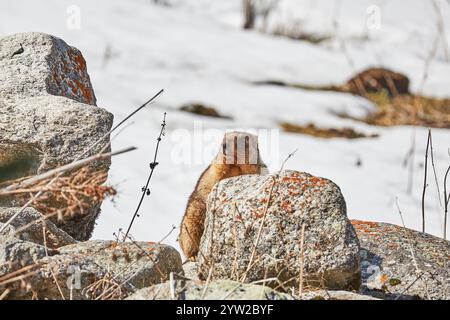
{"points": [[257, 214], [287, 206], [81, 63], [366, 227], [113, 245], [85, 92]]}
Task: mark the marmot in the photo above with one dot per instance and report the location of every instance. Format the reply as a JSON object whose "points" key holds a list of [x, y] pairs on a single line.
{"points": [[239, 155]]}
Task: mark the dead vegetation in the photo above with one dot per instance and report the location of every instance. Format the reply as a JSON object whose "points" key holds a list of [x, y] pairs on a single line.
{"points": [[203, 110], [68, 195], [325, 133], [294, 31], [409, 110], [389, 91]]}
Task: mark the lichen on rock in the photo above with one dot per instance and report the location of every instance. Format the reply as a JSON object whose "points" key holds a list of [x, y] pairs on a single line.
{"points": [[235, 246]]}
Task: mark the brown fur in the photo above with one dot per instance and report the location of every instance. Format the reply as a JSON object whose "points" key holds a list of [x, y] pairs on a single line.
{"points": [[192, 226]]}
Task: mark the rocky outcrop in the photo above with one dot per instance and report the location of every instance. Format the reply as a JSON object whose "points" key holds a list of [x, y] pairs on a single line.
{"points": [[399, 263], [87, 270], [48, 116], [16, 254], [61, 277], [140, 264], [216, 290], [36, 64], [232, 290], [269, 211], [30, 221]]}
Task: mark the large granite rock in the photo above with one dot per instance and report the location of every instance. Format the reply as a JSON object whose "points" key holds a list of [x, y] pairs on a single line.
{"points": [[16, 254], [237, 208], [140, 264], [47, 65], [61, 277], [48, 116], [30, 220], [389, 255], [87, 270]]}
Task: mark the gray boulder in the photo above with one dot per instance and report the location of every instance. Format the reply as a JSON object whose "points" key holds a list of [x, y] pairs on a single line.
{"points": [[399, 263], [47, 65], [216, 290], [48, 116], [140, 264], [61, 277], [30, 219], [87, 270], [190, 270], [16, 254], [236, 209]]}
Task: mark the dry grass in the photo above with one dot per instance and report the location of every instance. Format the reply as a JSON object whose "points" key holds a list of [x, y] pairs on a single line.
{"points": [[106, 288], [69, 195], [203, 110], [409, 110], [325, 133], [294, 31]]}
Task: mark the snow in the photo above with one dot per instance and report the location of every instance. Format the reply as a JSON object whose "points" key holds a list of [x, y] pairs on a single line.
{"points": [[197, 52]]}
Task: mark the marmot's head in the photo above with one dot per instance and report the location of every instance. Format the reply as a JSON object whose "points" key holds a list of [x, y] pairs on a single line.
{"points": [[239, 148]]}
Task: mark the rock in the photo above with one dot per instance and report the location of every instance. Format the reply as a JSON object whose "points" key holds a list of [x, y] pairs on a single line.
{"points": [[190, 270], [335, 295], [376, 80], [47, 66], [216, 290], [89, 267], [141, 264], [16, 253], [388, 268], [64, 277], [235, 210], [48, 116], [54, 236]]}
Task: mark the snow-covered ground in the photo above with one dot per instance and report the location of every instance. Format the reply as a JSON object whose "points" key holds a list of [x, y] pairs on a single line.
{"points": [[197, 52]]}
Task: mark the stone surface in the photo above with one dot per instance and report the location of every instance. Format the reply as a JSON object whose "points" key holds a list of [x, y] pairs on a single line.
{"points": [[58, 277], [85, 270], [48, 116], [236, 209], [335, 295], [47, 65], [216, 290], [190, 270], [54, 237], [388, 264], [141, 264], [16, 254]]}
